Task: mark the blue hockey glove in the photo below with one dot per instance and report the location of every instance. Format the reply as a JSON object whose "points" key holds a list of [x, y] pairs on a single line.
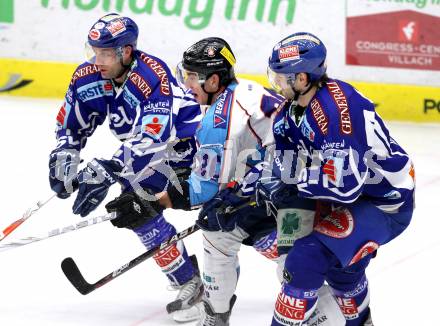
{"points": [[273, 193], [223, 211], [94, 182], [278, 182], [247, 186], [133, 211], [63, 167]]}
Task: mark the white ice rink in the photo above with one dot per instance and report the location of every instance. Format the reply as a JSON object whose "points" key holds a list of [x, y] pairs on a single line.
{"points": [[33, 290]]}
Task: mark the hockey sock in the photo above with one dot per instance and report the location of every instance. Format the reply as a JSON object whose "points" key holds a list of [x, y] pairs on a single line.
{"points": [[294, 306], [173, 260], [305, 268], [267, 246], [350, 288], [354, 302]]}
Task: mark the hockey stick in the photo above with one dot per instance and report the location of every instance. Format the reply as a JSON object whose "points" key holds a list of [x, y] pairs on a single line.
{"points": [[56, 232], [73, 274], [14, 225]]}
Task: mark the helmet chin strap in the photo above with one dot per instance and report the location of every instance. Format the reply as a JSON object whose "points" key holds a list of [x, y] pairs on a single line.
{"points": [[210, 94], [297, 93], [125, 67], [295, 110], [123, 70]]}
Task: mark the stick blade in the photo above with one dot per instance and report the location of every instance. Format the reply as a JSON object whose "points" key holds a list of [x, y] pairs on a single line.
{"points": [[73, 274]]}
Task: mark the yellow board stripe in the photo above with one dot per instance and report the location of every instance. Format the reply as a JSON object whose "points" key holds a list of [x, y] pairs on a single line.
{"points": [[50, 79], [45, 79]]}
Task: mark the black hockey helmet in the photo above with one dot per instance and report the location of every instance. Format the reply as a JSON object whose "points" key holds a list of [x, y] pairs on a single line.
{"points": [[208, 56]]}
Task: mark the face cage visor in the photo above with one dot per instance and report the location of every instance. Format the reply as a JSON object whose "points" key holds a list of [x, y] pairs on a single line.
{"points": [[187, 78], [102, 56], [280, 81]]}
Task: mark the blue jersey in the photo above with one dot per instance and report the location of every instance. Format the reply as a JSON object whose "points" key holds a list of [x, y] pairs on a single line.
{"points": [[229, 137], [346, 151], [148, 112]]}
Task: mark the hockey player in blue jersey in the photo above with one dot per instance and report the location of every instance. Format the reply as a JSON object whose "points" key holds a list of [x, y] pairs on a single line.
{"points": [[344, 157], [238, 116], [155, 120]]}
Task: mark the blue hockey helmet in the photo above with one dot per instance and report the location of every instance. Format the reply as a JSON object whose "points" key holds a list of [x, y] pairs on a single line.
{"points": [[113, 31], [299, 52]]}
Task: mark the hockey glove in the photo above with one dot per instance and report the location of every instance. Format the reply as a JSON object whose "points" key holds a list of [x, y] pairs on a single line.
{"points": [[63, 167], [94, 182], [223, 211], [278, 182], [132, 211]]}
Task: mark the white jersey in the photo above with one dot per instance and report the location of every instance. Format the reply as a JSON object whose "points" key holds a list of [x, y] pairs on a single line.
{"points": [[231, 137]]}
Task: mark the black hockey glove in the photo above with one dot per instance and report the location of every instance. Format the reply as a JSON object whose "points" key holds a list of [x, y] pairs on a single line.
{"points": [[132, 211]]}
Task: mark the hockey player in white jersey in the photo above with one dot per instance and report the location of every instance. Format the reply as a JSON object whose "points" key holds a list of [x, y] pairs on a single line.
{"points": [[231, 139]]}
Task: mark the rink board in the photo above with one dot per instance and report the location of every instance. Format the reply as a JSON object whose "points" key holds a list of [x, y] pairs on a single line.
{"points": [[50, 79]]}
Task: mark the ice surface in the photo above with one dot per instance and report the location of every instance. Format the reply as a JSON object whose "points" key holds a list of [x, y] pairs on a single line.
{"points": [[34, 291]]}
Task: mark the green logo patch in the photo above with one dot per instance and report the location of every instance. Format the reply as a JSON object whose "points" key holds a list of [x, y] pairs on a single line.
{"points": [[290, 223]]}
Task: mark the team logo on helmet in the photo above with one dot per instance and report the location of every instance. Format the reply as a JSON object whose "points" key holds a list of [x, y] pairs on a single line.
{"points": [[94, 34], [116, 27], [99, 25], [210, 51], [289, 53]]}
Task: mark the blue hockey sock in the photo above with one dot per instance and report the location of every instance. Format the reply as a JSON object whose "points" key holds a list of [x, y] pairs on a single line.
{"points": [[267, 246], [294, 306], [305, 269], [354, 302], [173, 260]]}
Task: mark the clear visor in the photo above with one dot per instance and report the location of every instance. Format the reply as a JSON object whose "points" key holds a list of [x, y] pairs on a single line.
{"points": [[280, 81], [186, 78], [100, 56]]}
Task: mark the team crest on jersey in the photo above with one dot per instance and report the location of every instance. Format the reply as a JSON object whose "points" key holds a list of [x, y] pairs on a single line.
{"points": [[154, 125], [338, 224]]}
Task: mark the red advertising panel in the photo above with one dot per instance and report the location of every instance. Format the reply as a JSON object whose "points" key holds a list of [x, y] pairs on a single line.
{"points": [[401, 39]]}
